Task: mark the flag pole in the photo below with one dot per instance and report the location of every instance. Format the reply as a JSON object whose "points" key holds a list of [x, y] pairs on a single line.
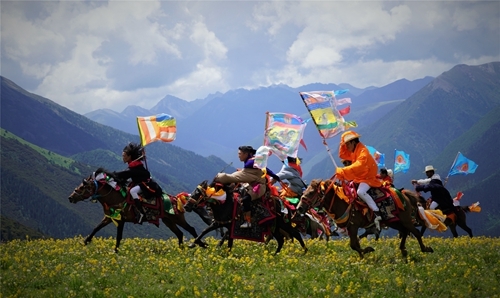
{"points": [[447, 176], [322, 136], [266, 126]]}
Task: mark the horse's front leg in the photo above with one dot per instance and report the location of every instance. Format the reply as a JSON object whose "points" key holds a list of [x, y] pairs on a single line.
{"points": [[105, 221], [119, 234], [198, 240], [354, 242]]}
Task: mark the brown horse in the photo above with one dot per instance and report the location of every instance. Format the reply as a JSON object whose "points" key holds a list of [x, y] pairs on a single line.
{"points": [[224, 216], [324, 194], [116, 210]]}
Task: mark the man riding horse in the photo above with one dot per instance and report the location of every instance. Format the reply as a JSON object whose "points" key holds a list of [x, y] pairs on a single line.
{"points": [[363, 170], [253, 177], [141, 178]]}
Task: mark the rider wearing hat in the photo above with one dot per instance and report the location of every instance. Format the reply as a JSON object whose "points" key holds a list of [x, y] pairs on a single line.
{"points": [[363, 169], [430, 172], [441, 198]]}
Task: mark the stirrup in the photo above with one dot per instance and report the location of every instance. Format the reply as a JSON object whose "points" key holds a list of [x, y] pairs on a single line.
{"points": [[246, 225], [377, 220]]}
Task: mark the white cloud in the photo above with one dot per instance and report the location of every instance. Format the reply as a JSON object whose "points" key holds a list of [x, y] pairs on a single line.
{"points": [[116, 53]]}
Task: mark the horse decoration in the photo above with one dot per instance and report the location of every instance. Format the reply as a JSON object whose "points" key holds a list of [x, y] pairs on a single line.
{"points": [[349, 212], [450, 218], [224, 202], [314, 222], [118, 208]]}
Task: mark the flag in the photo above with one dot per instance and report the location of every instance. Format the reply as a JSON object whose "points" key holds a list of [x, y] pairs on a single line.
{"points": [[462, 166], [401, 161], [322, 106], [284, 134], [161, 127], [379, 157], [262, 156]]}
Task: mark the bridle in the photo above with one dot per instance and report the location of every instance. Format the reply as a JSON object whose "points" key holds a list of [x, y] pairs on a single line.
{"points": [[93, 195]]}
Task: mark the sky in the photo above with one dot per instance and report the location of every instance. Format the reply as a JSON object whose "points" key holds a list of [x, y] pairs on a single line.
{"points": [[88, 55]]}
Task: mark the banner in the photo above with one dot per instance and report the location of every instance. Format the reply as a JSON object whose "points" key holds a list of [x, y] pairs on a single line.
{"points": [[161, 127], [379, 157], [462, 166], [284, 134], [401, 161], [322, 105]]}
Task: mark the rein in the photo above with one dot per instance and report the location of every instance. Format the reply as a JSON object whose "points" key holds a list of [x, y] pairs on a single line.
{"points": [[322, 194]]}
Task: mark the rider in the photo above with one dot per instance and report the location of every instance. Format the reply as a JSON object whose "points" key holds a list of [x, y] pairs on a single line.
{"points": [[253, 176], [292, 172], [363, 169], [384, 177], [141, 178], [430, 172], [441, 197]]}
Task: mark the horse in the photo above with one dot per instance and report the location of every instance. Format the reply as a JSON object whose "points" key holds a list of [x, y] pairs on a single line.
{"points": [[326, 194], [223, 214], [454, 218], [116, 209]]}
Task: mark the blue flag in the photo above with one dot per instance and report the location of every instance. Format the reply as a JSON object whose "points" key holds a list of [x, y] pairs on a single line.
{"points": [[462, 166], [379, 157], [401, 161]]}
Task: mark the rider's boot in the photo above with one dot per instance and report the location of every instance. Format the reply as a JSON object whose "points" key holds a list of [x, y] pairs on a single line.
{"points": [[378, 218], [141, 215], [248, 220]]}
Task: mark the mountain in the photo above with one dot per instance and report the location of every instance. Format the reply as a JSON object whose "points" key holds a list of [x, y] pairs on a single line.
{"points": [[60, 130], [176, 107], [47, 149], [237, 117]]}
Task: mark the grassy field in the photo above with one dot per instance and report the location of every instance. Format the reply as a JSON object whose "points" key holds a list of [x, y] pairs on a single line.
{"points": [[459, 267]]}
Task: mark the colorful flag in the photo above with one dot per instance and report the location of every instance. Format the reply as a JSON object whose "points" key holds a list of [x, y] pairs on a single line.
{"points": [[401, 161], [161, 127], [322, 106], [379, 157], [462, 166], [262, 156], [284, 134]]}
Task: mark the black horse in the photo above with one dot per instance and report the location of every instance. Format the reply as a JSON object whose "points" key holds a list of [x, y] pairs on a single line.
{"points": [[223, 216], [454, 218]]}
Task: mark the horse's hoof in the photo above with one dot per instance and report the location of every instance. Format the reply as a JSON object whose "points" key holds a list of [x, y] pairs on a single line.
{"points": [[368, 249], [429, 249], [192, 245], [404, 252], [306, 250], [116, 250]]}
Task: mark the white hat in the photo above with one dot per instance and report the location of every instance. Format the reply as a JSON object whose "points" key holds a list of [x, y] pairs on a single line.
{"points": [[429, 168], [390, 173]]}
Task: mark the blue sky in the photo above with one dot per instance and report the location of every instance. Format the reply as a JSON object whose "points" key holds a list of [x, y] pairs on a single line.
{"points": [[87, 55]]}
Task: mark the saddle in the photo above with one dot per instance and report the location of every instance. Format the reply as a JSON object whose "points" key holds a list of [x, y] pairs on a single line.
{"points": [[263, 211], [388, 200]]}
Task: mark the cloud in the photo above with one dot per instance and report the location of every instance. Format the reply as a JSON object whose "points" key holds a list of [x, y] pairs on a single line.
{"points": [[110, 54]]}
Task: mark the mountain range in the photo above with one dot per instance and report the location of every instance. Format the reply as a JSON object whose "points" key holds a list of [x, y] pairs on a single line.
{"points": [[47, 149]]}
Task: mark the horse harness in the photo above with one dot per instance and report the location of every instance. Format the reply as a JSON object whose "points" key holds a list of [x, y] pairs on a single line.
{"points": [[321, 193]]}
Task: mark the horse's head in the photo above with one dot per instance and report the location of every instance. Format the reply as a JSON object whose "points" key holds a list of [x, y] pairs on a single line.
{"points": [[313, 195], [197, 196], [83, 191]]}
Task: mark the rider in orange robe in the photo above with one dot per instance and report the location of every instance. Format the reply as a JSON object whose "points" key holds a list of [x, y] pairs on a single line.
{"points": [[363, 169]]}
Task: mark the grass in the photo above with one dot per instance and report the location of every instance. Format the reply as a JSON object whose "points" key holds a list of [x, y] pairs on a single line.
{"points": [[459, 267]]}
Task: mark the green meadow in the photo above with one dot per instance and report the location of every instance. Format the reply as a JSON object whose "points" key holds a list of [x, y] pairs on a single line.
{"points": [[461, 267]]}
